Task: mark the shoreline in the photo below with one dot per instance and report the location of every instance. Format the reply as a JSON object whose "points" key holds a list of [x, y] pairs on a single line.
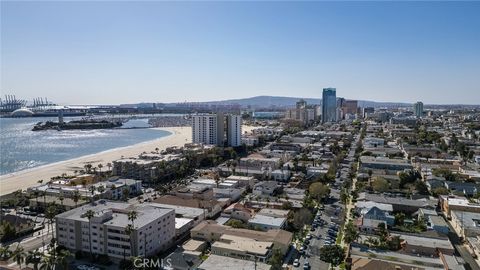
{"points": [[24, 179], [27, 178]]}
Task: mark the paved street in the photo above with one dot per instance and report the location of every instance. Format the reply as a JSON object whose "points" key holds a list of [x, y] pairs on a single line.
{"points": [[332, 212]]}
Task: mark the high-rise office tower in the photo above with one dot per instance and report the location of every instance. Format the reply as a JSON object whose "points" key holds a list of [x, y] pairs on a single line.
{"points": [[418, 109], [234, 130], [329, 105]]}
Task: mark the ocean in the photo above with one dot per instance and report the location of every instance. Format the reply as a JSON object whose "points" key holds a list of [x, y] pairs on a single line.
{"points": [[21, 148]]}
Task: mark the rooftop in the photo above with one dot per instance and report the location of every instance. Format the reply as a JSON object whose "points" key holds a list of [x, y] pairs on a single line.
{"points": [[267, 220], [215, 262], [116, 213], [243, 244]]}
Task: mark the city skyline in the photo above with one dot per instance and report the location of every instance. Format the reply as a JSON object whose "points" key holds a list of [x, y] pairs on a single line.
{"points": [[126, 52]]}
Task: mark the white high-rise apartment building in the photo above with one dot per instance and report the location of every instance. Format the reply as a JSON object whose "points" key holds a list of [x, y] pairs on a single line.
{"points": [[208, 129], [234, 130], [104, 233], [217, 129]]}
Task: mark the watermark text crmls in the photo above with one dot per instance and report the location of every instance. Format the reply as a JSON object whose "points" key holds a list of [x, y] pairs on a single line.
{"points": [[153, 263]]}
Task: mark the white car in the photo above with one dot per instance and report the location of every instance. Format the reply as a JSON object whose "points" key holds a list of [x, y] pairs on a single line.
{"points": [[296, 263]]}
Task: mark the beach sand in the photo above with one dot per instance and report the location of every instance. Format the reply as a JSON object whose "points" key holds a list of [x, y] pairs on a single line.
{"points": [[28, 178]]}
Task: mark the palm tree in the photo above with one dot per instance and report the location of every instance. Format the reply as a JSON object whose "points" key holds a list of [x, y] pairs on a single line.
{"points": [[101, 189], [76, 197], [132, 216], [61, 198], [88, 167], [100, 166], [129, 231], [89, 215], [109, 165], [44, 194], [50, 213], [19, 256], [47, 262], [125, 193], [33, 257], [5, 253], [92, 190]]}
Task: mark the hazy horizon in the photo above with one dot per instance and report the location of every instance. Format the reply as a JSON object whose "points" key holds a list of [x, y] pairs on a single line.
{"points": [[131, 52]]}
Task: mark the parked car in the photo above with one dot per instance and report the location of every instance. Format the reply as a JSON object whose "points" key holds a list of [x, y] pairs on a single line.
{"points": [[296, 263], [306, 265]]}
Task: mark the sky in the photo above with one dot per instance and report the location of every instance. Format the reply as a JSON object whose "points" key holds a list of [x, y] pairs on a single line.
{"points": [[111, 52]]}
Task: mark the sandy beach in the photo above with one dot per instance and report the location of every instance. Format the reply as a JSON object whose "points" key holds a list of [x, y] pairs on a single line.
{"points": [[28, 178]]}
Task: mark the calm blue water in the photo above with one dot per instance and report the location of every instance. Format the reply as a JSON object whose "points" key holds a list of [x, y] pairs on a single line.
{"points": [[21, 148]]}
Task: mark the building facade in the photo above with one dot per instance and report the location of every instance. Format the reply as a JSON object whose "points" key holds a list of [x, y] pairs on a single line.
{"points": [[418, 109], [329, 105], [105, 232], [234, 130], [208, 129], [217, 129]]}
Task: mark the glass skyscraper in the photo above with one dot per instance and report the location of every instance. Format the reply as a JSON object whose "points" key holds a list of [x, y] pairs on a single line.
{"points": [[329, 105]]}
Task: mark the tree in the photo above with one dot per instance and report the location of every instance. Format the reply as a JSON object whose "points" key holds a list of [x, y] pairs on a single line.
{"points": [[399, 219], [394, 243], [129, 231], [34, 257], [421, 187], [19, 256], [318, 190], [61, 198], [383, 232], [408, 177], [92, 189], [276, 260], [62, 259], [440, 191], [88, 167], [380, 184], [76, 197], [333, 254], [5, 253], [132, 216], [125, 193], [47, 263], [351, 233], [301, 217], [101, 189], [344, 196], [50, 214], [89, 215]]}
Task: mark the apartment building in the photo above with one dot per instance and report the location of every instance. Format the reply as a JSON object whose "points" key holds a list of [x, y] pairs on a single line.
{"points": [[105, 232], [208, 129], [242, 248], [234, 130], [217, 129]]}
